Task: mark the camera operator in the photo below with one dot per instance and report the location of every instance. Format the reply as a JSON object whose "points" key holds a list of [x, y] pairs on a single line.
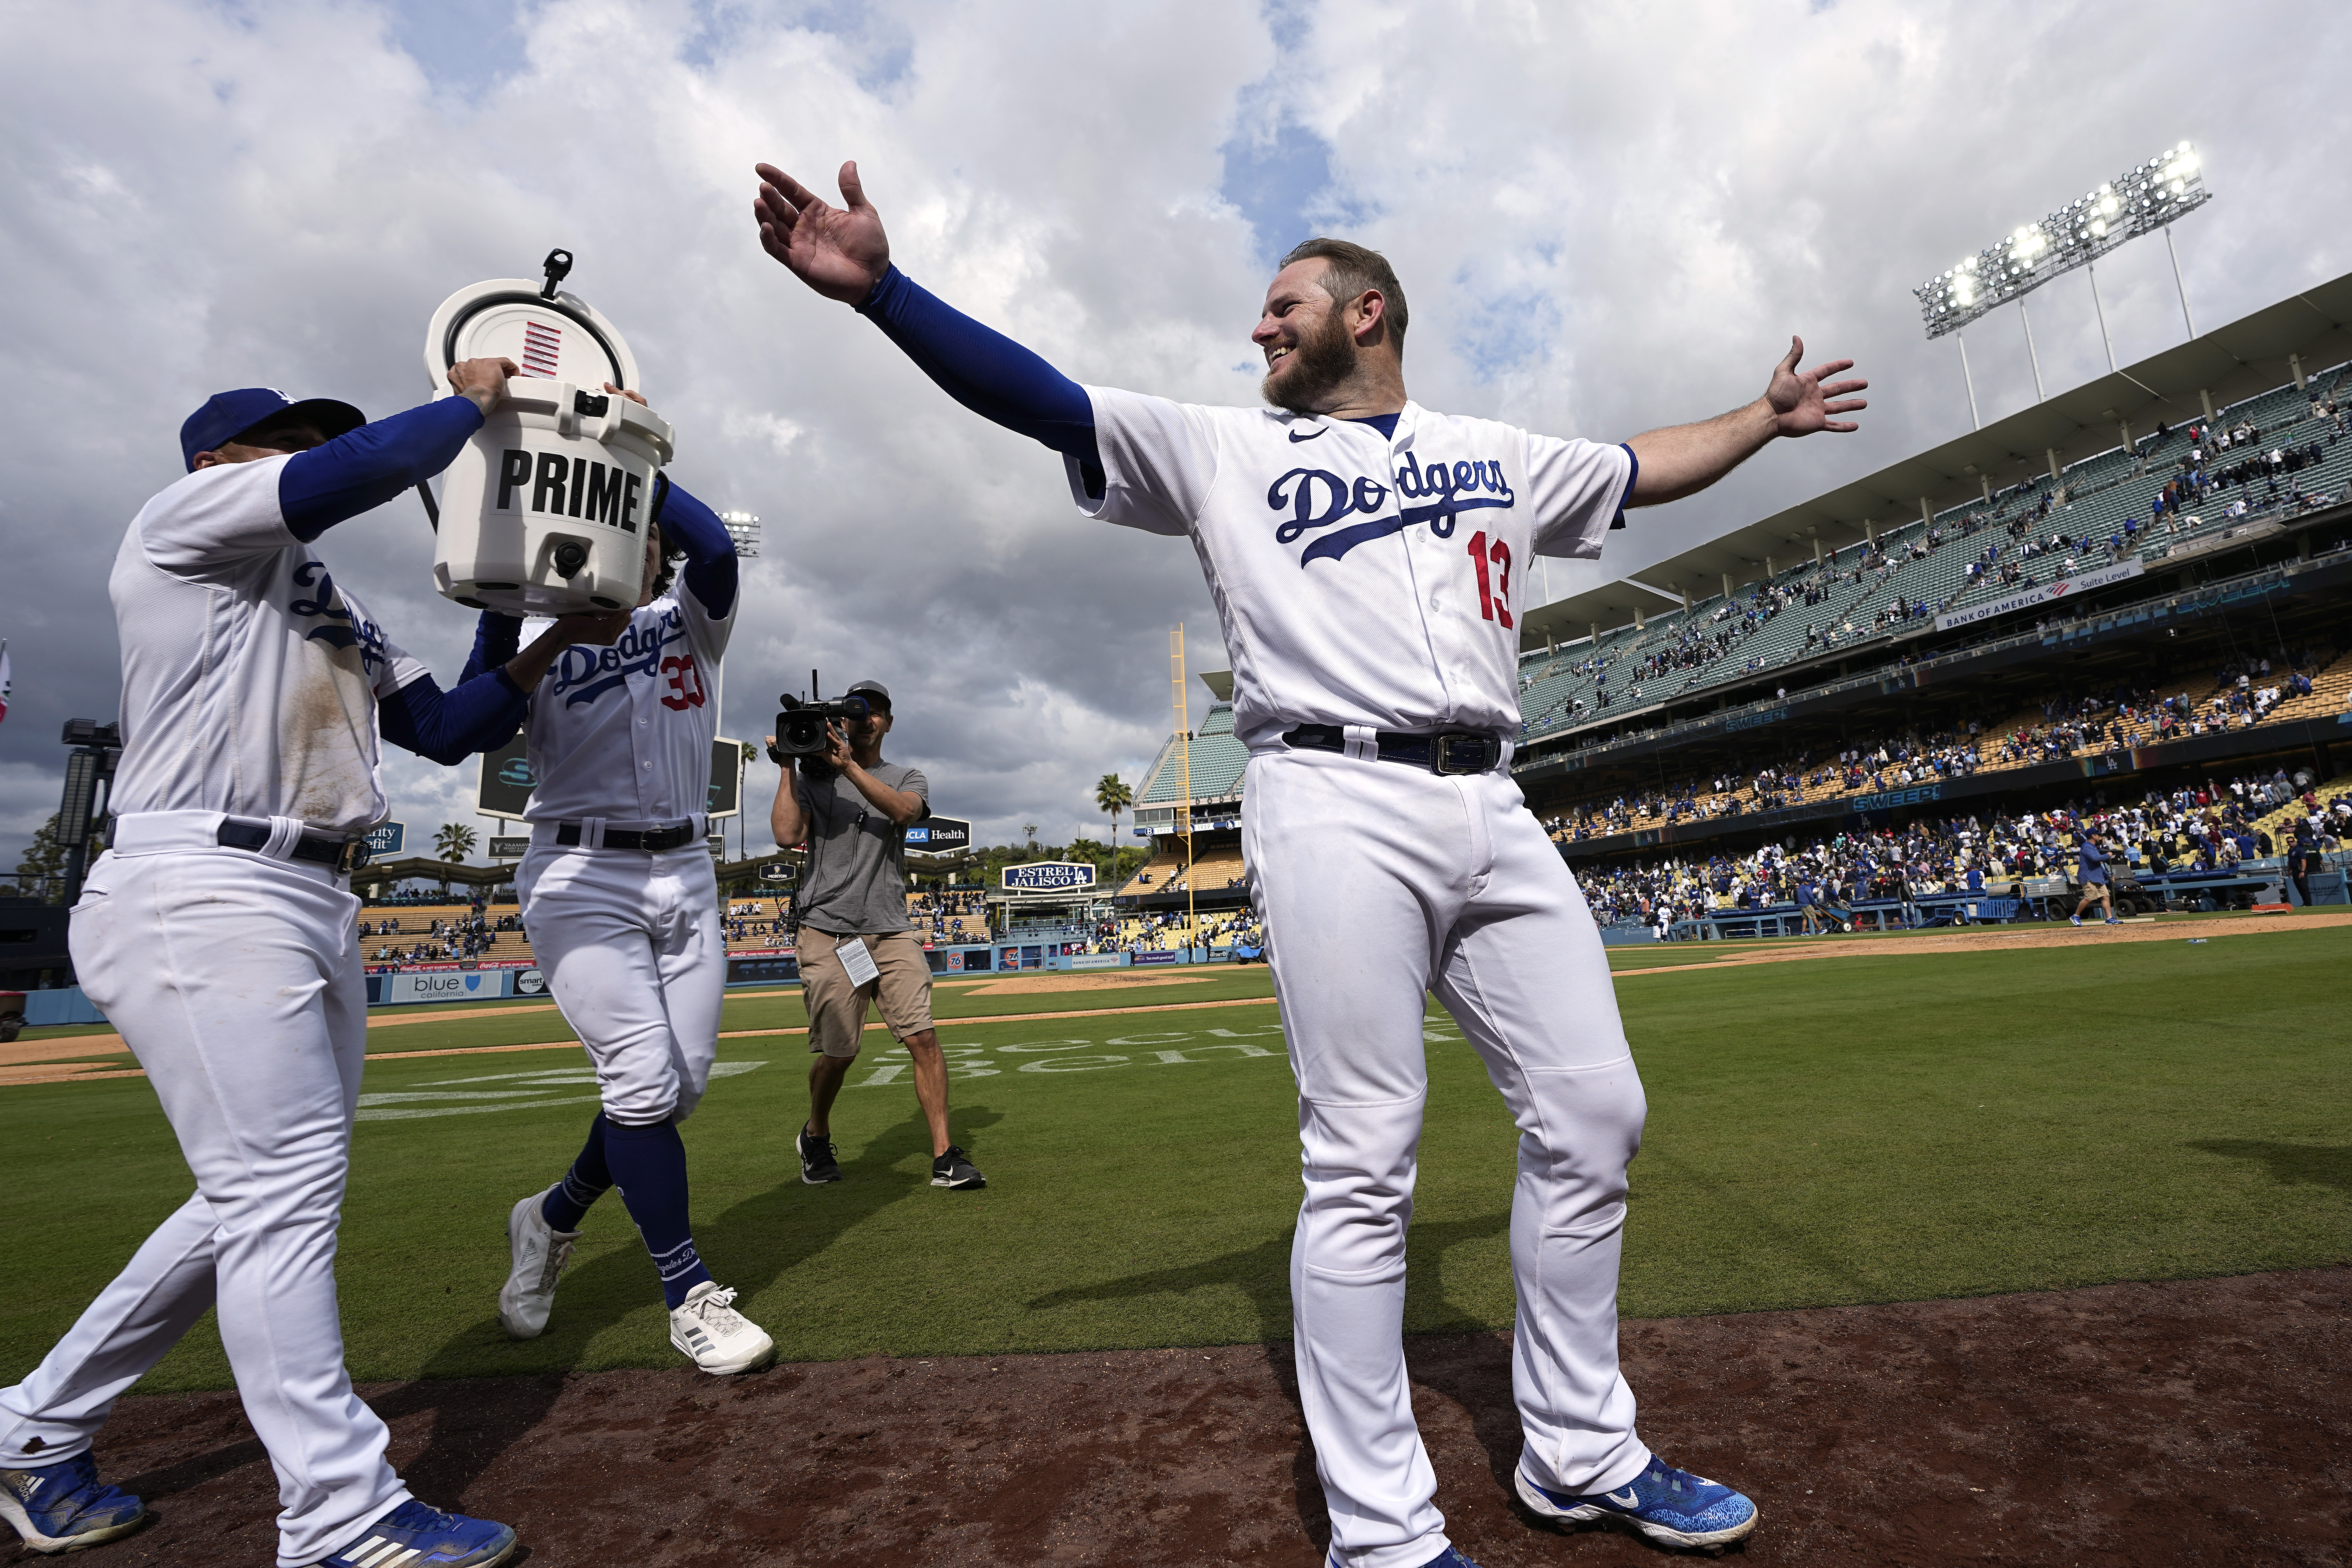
{"points": [[852, 809]]}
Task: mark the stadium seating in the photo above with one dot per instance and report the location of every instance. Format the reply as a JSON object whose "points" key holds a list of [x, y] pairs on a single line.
{"points": [[1154, 875], [2281, 822], [1214, 871], [2022, 740], [1764, 624], [412, 925]]}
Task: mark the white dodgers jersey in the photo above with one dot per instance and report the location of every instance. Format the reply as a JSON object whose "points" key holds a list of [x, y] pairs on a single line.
{"points": [[249, 679], [624, 732], [1361, 579]]}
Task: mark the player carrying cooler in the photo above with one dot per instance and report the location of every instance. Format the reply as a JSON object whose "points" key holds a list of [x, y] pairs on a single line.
{"points": [[219, 934], [1365, 554], [622, 908]]}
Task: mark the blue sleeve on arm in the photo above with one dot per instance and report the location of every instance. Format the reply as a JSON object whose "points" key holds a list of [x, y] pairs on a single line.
{"points": [[478, 715], [368, 467], [985, 371], [498, 638], [709, 549]]}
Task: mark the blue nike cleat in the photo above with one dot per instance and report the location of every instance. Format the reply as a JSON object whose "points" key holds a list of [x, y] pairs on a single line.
{"points": [[1672, 1507], [65, 1507], [415, 1536], [1450, 1558]]}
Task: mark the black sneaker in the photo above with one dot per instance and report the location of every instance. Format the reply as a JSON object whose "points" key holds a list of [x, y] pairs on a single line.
{"points": [[817, 1164], [952, 1170]]}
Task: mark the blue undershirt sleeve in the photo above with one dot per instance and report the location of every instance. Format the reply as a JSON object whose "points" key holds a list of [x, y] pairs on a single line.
{"points": [[365, 468], [985, 371], [498, 638], [710, 568], [478, 715]]}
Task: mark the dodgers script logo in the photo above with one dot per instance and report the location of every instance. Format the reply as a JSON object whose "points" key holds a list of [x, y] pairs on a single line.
{"points": [[584, 674], [342, 629], [1317, 497]]}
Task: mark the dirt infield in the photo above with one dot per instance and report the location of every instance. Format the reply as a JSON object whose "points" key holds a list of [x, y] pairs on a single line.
{"points": [[2203, 1421]]}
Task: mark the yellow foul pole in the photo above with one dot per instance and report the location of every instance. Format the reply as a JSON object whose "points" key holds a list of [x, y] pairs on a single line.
{"points": [[1183, 762]]}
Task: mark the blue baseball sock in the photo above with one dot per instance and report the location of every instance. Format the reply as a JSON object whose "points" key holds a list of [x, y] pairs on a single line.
{"points": [[566, 1204], [649, 1165]]}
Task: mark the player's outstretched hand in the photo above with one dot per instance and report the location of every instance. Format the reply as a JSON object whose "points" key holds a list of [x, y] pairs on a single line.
{"points": [[1801, 404], [841, 252], [483, 380], [598, 628], [637, 397]]}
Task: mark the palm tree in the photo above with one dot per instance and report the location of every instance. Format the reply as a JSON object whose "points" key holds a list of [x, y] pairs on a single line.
{"points": [[455, 841], [1030, 829], [1113, 794]]}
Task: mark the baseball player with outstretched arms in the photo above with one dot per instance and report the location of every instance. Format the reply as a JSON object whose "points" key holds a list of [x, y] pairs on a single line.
{"points": [[1367, 556], [621, 906], [219, 934]]}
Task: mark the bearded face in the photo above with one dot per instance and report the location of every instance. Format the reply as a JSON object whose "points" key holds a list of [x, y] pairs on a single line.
{"points": [[1303, 379]]}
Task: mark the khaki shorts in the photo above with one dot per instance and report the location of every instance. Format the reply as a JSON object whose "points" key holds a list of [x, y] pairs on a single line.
{"points": [[837, 1009]]}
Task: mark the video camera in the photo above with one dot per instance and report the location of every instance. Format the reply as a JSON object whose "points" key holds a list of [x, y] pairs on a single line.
{"points": [[800, 727]]}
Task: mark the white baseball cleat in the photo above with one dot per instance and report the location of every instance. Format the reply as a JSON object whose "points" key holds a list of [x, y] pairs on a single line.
{"points": [[541, 1253], [707, 1327]]}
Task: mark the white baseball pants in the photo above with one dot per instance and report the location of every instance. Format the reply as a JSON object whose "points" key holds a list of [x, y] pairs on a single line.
{"points": [[1379, 882], [632, 949], [237, 982]]}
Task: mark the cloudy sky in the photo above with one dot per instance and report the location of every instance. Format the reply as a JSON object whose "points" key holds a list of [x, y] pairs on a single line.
{"points": [[1608, 216]]}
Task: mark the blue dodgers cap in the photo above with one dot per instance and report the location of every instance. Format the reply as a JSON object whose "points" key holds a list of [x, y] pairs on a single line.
{"points": [[226, 416]]}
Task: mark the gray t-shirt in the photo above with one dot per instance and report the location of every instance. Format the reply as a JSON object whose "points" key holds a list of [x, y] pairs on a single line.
{"points": [[857, 882]]}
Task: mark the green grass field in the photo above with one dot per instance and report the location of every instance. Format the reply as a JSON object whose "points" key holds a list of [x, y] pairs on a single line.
{"points": [[1864, 1129]]}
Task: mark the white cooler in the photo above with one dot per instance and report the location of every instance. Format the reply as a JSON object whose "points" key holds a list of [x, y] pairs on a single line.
{"points": [[545, 512]]}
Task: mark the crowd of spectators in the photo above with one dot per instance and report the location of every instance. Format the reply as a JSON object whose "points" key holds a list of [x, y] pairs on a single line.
{"points": [[457, 939], [950, 915], [2210, 827], [2218, 461], [2244, 691], [1163, 930], [2034, 544]]}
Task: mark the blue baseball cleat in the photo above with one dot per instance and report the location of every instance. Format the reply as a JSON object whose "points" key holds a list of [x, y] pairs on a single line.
{"points": [[1450, 1558], [65, 1507], [1672, 1507], [415, 1536]]}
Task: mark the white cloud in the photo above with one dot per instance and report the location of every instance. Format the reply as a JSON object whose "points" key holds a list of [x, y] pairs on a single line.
{"points": [[1608, 217]]}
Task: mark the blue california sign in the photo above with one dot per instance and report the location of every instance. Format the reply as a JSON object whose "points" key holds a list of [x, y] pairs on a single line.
{"points": [[1048, 877]]}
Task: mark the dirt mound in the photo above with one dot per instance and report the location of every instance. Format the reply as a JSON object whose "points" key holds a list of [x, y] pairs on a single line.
{"points": [[2203, 1421]]}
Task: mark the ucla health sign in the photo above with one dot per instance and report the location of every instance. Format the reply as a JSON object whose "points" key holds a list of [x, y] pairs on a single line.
{"points": [[1048, 877], [938, 836]]}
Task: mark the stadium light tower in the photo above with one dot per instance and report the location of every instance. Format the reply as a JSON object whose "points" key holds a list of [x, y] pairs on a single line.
{"points": [[2140, 200], [743, 528]]}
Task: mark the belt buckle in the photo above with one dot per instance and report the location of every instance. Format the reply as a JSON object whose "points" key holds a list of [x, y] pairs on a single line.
{"points": [[354, 856], [1485, 752]]}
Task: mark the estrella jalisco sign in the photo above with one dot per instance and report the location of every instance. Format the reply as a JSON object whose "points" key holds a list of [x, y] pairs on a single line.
{"points": [[1048, 877]]}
